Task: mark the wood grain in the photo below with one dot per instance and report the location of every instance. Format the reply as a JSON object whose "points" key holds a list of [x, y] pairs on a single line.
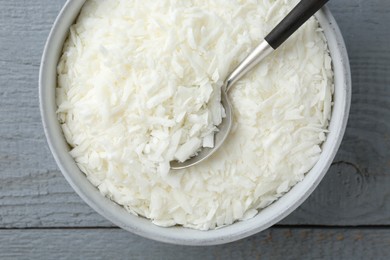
{"points": [[33, 192], [117, 244]]}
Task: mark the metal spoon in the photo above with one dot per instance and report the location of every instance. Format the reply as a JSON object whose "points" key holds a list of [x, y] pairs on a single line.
{"points": [[298, 16]]}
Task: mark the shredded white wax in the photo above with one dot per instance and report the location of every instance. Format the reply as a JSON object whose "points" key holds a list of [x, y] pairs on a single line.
{"points": [[139, 85]]}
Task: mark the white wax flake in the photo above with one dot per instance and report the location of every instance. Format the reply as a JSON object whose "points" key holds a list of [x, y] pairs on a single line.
{"points": [[208, 141], [187, 149]]}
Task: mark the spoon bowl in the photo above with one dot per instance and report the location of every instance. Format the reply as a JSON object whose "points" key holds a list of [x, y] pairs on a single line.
{"points": [[219, 137]]}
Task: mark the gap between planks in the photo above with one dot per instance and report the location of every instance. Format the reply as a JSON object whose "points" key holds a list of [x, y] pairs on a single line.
{"points": [[312, 227]]}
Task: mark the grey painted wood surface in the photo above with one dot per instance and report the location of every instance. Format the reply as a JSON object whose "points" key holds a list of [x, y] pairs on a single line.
{"points": [[281, 244], [33, 193]]}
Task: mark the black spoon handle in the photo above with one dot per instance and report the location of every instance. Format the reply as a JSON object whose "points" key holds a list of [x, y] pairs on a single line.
{"points": [[298, 16]]}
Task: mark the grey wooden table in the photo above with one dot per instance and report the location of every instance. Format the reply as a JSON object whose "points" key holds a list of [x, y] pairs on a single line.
{"points": [[348, 216]]}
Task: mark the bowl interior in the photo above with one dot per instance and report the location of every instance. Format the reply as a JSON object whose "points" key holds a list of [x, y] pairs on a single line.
{"points": [[179, 235]]}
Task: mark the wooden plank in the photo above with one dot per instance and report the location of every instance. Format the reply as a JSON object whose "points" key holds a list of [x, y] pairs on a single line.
{"points": [[272, 244], [33, 192]]}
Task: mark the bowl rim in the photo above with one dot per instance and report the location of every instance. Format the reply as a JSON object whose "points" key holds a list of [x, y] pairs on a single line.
{"points": [[179, 235]]}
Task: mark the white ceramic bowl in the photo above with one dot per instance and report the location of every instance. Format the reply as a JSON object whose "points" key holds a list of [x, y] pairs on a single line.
{"points": [[179, 235]]}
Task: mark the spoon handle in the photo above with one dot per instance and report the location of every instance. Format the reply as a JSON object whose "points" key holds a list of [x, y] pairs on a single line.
{"points": [[297, 16]]}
